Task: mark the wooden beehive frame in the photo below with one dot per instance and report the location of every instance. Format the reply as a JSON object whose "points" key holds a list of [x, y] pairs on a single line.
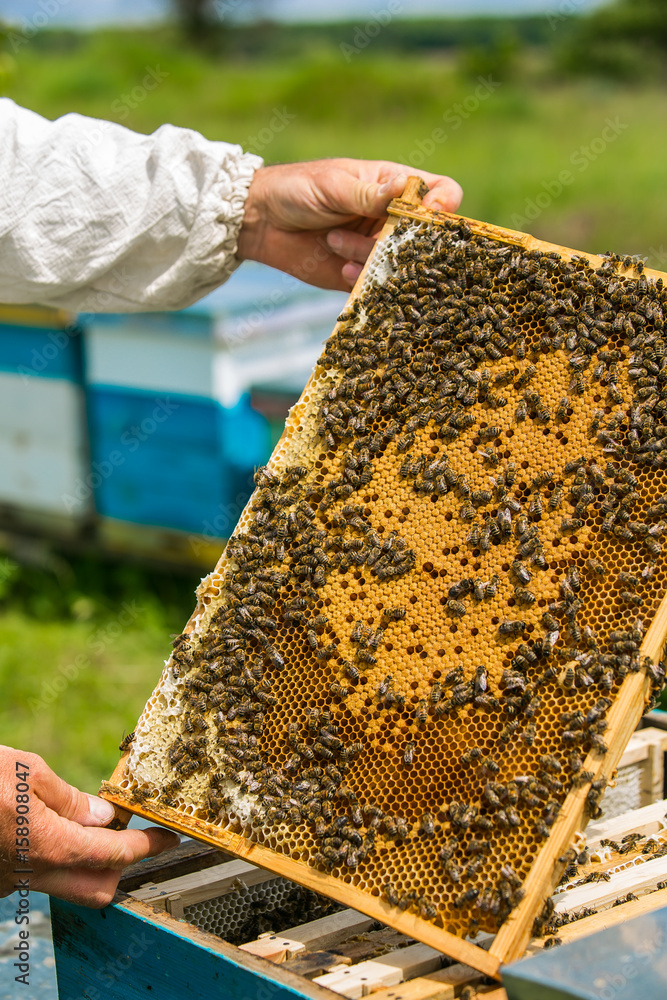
{"points": [[629, 704], [338, 952]]}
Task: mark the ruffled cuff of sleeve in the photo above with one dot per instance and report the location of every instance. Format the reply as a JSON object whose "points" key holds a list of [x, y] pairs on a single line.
{"points": [[237, 173]]}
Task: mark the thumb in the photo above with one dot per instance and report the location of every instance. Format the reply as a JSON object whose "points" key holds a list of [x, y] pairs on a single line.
{"points": [[68, 802], [369, 198]]}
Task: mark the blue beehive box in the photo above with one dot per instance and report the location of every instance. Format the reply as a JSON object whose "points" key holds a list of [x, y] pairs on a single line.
{"points": [[624, 962], [174, 436], [43, 447]]}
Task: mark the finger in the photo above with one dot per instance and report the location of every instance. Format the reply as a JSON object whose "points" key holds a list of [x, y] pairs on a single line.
{"points": [[351, 272], [82, 886], [71, 846], [350, 197], [310, 259], [444, 195], [350, 245], [68, 801]]}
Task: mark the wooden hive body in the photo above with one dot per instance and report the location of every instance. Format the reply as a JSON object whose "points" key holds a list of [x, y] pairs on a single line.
{"points": [[468, 421], [194, 908]]}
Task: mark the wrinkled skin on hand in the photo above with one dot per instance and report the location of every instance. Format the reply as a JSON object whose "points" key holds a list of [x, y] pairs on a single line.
{"points": [[318, 220], [70, 853]]}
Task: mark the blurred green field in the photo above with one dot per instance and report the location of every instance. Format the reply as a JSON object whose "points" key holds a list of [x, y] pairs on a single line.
{"points": [[82, 643], [74, 675], [507, 147]]}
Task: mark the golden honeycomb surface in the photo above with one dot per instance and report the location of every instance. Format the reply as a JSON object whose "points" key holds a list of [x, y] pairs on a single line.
{"points": [[445, 572]]}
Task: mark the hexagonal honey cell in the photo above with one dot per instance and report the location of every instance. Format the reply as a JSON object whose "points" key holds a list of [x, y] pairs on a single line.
{"points": [[417, 630]]}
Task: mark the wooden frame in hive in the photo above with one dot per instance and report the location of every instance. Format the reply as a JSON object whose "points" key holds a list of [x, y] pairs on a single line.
{"points": [[434, 794]]}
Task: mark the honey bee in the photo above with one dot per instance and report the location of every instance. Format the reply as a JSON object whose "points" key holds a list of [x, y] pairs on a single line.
{"points": [[357, 632], [467, 512], [569, 524], [141, 795], [376, 638], [527, 375], [126, 742], [509, 730], [176, 750], [563, 406], [511, 628], [556, 497], [524, 596], [521, 572], [480, 682], [427, 824], [596, 567], [391, 894], [351, 670], [452, 870], [421, 712], [549, 622], [529, 734], [460, 589], [456, 608], [384, 686], [467, 897]]}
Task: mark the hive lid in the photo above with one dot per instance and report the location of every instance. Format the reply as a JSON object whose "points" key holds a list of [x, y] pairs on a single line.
{"points": [[480, 448]]}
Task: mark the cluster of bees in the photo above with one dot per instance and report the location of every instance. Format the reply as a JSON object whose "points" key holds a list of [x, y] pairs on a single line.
{"points": [[635, 846], [299, 906], [429, 376]]}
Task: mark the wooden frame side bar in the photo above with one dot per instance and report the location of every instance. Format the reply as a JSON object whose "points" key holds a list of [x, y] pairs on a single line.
{"points": [[625, 713]]}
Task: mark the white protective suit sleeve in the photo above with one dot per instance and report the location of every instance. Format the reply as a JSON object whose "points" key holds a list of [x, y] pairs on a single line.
{"points": [[97, 218]]}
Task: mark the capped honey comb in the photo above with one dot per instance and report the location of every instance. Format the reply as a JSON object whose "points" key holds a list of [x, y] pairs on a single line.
{"points": [[425, 646]]}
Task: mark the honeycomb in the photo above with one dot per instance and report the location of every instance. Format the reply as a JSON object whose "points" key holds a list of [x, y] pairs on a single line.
{"points": [[419, 626], [247, 912], [626, 793], [600, 865]]}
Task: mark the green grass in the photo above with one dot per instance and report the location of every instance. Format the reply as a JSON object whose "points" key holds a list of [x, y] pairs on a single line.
{"points": [[56, 626], [80, 652], [384, 105]]}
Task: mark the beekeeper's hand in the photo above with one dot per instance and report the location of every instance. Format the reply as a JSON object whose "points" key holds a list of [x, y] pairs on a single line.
{"points": [[52, 836], [318, 220]]}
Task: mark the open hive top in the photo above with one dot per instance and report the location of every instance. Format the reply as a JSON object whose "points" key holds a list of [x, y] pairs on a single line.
{"points": [[424, 647]]}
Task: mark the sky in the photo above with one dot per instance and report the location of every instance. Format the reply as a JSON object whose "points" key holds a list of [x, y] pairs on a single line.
{"points": [[95, 12]]}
